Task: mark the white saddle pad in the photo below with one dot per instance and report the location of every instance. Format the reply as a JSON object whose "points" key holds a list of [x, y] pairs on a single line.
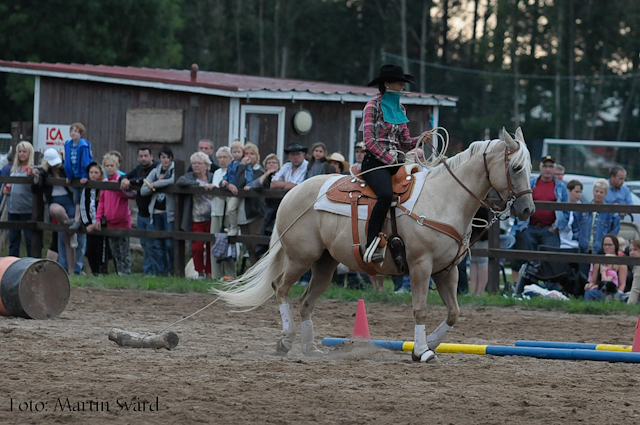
{"points": [[324, 204]]}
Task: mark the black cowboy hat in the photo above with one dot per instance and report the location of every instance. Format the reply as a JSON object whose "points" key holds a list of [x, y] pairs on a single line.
{"points": [[392, 74], [295, 147]]}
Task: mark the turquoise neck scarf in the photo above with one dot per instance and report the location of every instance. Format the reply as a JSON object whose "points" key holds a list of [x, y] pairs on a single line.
{"points": [[391, 109]]}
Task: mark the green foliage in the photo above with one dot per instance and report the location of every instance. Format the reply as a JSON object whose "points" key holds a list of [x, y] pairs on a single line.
{"points": [[110, 32], [553, 67], [113, 32]]}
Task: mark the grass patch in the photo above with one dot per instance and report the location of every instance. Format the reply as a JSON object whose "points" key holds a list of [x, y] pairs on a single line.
{"points": [[574, 305], [139, 282]]}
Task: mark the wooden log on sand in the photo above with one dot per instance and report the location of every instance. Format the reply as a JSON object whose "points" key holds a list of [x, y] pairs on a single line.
{"points": [[168, 340]]}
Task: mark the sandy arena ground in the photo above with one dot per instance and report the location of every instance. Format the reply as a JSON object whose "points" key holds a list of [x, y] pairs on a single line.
{"points": [[224, 369]]}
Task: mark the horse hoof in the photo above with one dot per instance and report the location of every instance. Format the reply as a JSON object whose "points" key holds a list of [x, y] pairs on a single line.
{"points": [[312, 351], [426, 357], [283, 347]]}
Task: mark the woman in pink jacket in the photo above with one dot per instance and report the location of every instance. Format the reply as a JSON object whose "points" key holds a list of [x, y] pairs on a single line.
{"points": [[113, 211]]}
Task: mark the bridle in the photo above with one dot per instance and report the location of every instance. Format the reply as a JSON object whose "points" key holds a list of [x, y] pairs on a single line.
{"points": [[512, 196], [498, 213], [464, 243]]}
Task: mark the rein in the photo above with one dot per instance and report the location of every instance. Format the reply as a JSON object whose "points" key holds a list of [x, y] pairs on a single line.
{"points": [[512, 196], [499, 214]]}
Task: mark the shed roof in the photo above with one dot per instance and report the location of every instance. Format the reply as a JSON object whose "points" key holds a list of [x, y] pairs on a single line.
{"points": [[216, 83]]}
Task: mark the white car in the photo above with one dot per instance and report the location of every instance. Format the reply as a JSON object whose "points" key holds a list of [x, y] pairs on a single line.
{"points": [[634, 185]]}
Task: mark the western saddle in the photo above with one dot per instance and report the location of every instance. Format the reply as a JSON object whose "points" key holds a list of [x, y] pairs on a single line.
{"points": [[354, 191]]}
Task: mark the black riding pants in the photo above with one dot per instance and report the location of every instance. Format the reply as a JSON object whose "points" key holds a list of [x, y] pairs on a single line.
{"points": [[380, 182]]}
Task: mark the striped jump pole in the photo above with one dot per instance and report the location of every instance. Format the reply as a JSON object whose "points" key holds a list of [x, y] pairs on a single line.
{"points": [[538, 352], [408, 346], [572, 345]]}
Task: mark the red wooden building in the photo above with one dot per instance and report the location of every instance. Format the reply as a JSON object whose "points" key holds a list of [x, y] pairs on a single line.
{"points": [[123, 108]]}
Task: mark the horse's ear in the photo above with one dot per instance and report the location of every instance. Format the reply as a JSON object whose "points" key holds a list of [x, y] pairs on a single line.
{"points": [[502, 133], [511, 144], [519, 135]]}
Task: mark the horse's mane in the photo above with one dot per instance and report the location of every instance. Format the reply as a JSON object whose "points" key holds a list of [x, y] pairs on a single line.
{"points": [[520, 157]]}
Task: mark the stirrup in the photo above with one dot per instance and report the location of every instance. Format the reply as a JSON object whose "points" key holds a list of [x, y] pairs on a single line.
{"points": [[374, 253]]}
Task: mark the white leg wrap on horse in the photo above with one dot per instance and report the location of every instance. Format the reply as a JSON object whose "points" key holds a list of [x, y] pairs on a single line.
{"points": [[288, 330], [420, 347], [287, 319], [306, 333], [438, 335]]}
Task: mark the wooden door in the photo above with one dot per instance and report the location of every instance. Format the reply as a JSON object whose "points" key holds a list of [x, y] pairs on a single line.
{"points": [[262, 131]]}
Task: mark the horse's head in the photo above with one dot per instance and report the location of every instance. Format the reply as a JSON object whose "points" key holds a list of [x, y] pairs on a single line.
{"points": [[510, 172]]}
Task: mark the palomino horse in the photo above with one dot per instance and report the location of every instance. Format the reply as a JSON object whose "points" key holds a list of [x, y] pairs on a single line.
{"points": [[310, 239]]}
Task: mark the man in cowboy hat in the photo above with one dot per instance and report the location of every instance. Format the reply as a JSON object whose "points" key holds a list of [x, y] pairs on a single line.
{"points": [[293, 172]]}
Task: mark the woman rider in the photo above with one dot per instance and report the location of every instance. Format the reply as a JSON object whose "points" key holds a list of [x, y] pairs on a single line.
{"points": [[385, 131]]}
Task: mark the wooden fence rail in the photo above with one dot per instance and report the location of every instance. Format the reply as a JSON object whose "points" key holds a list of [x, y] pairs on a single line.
{"points": [[38, 226], [495, 254]]}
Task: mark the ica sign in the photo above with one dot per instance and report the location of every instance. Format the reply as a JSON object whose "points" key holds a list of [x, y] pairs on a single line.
{"points": [[52, 136]]}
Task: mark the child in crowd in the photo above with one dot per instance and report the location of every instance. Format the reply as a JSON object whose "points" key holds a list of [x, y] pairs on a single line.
{"points": [[230, 181], [609, 278], [318, 163], [77, 155], [120, 160], [97, 250], [113, 207]]}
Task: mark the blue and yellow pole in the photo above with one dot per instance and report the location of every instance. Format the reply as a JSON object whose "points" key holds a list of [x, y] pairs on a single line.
{"points": [[408, 346], [599, 354], [572, 345]]}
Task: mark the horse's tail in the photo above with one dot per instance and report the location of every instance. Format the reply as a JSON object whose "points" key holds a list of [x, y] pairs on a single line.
{"points": [[254, 287]]}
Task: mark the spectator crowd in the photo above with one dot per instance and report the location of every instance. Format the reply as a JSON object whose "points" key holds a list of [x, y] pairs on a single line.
{"points": [[86, 211], [583, 232], [238, 168]]}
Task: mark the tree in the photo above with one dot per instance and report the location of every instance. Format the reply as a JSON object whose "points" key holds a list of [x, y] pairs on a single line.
{"points": [[116, 32]]}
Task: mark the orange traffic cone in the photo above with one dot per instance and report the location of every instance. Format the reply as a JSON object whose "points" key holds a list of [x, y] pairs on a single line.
{"points": [[361, 326], [636, 338]]}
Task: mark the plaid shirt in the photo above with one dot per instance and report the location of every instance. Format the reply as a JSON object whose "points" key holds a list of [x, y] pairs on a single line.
{"points": [[223, 250], [380, 136]]}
